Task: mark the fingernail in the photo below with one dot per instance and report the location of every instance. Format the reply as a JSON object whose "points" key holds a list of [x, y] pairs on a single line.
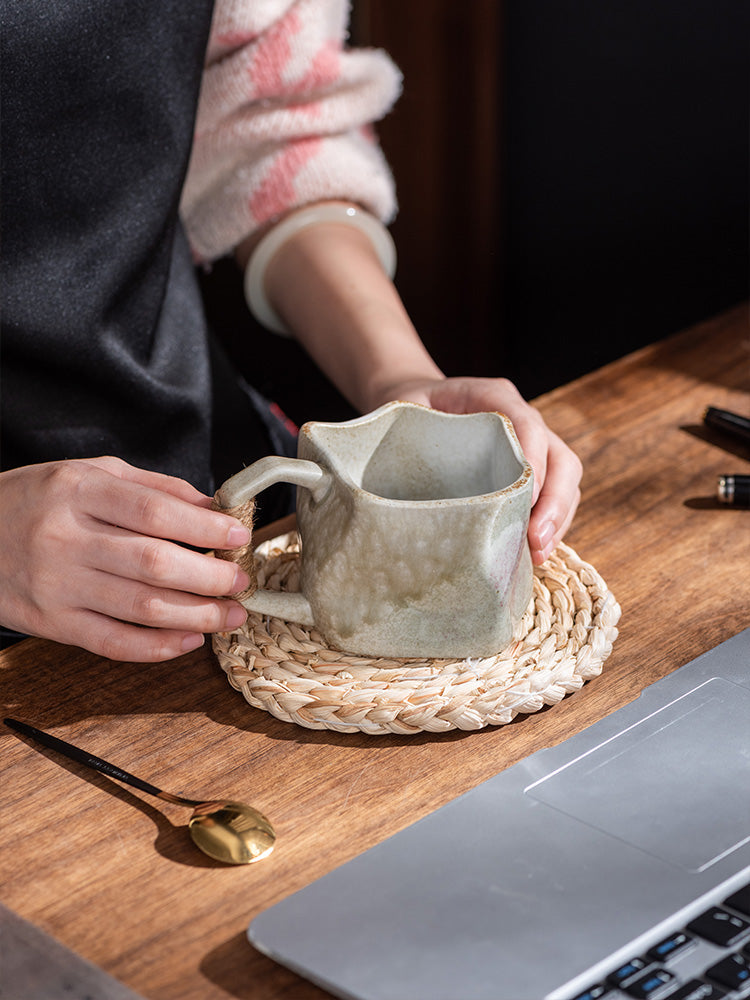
{"points": [[545, 535], [192, 641], [236, 616], [241, 581], [237, 535]]}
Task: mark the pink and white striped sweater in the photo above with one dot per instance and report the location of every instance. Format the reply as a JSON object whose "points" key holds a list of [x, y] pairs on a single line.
{"points": [[284, 120]]}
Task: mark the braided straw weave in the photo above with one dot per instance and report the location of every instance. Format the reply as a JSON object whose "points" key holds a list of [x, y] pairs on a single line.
{"points": [[287, 669]]}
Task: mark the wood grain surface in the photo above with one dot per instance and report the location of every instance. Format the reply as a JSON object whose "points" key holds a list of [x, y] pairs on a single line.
{"points": [[112, 874]]}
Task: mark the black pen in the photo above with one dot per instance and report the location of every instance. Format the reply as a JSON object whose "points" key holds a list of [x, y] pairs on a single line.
{"points": [[734, 490], [730, 423]]}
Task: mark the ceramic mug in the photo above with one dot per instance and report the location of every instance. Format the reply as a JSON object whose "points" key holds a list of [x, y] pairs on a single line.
{"points": [[413, 532]]}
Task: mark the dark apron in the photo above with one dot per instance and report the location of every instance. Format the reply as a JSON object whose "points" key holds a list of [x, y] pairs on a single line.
{"points": [[105, 347]]}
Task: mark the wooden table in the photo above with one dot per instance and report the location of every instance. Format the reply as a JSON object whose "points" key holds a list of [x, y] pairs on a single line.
{"points": [[112, 874]]}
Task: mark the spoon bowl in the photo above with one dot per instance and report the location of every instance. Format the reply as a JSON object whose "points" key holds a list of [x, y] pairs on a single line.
{"points": [[231, 832], [225, 830]]}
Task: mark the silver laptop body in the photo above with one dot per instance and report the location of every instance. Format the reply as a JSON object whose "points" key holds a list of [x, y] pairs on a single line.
{"points": [[549, 877]]}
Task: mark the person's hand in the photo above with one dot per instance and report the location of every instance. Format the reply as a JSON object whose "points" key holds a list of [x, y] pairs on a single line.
{"points": [[90, 558], [557, 469]]}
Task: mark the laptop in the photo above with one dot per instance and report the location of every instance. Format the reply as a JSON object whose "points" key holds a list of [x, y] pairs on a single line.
{"points": [[614, 865]]}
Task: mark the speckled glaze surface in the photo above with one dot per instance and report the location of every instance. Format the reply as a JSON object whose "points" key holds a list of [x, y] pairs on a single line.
{"points": [[413, 527]]}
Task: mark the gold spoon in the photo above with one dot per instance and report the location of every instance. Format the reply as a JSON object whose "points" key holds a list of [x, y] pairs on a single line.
{"points": [[227, 831]]}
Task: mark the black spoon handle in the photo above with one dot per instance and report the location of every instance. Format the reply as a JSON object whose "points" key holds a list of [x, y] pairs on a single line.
{"points": [[83, 757]]}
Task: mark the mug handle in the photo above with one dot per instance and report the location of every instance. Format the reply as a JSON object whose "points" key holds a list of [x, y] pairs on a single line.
{"points": [[244, 486]]}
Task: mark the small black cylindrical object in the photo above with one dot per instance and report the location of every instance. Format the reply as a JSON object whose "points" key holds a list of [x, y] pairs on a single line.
{"points": [[730, 423], [734, 490]]}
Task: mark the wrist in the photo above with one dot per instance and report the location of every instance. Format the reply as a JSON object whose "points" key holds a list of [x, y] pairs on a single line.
{"points": [[413, 386]]}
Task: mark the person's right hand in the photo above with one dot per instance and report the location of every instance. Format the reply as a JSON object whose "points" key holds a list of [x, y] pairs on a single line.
{"points": [[90, 558]]}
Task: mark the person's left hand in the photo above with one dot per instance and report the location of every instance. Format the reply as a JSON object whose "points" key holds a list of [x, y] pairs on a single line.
{"points": [[557, 469]]}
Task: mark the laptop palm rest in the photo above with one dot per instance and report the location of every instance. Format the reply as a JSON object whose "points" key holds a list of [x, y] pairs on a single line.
{"points": [[640, 786]]}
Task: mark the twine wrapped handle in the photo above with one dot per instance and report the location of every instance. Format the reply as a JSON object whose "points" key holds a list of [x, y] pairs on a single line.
{"points": [[243, 556], [237, 498]]}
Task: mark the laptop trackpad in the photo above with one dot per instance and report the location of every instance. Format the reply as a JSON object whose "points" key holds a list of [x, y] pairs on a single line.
{"points": [[640, 785]]}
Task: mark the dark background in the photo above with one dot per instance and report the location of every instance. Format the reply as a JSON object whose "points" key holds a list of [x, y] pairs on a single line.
{"points": [[572, 179]]}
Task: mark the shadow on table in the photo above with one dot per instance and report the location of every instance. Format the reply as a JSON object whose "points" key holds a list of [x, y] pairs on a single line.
{"points": [[724, 442], [244, 973]]}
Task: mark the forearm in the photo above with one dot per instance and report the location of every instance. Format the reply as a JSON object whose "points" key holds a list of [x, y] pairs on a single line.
{"points": [[328, 285]]}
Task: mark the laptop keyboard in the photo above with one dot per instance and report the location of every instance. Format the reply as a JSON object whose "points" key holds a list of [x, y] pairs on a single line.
{"points": [[707, 959]]}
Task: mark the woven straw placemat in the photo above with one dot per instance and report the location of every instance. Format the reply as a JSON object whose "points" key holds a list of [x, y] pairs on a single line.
{"points": [[287, 669]]}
